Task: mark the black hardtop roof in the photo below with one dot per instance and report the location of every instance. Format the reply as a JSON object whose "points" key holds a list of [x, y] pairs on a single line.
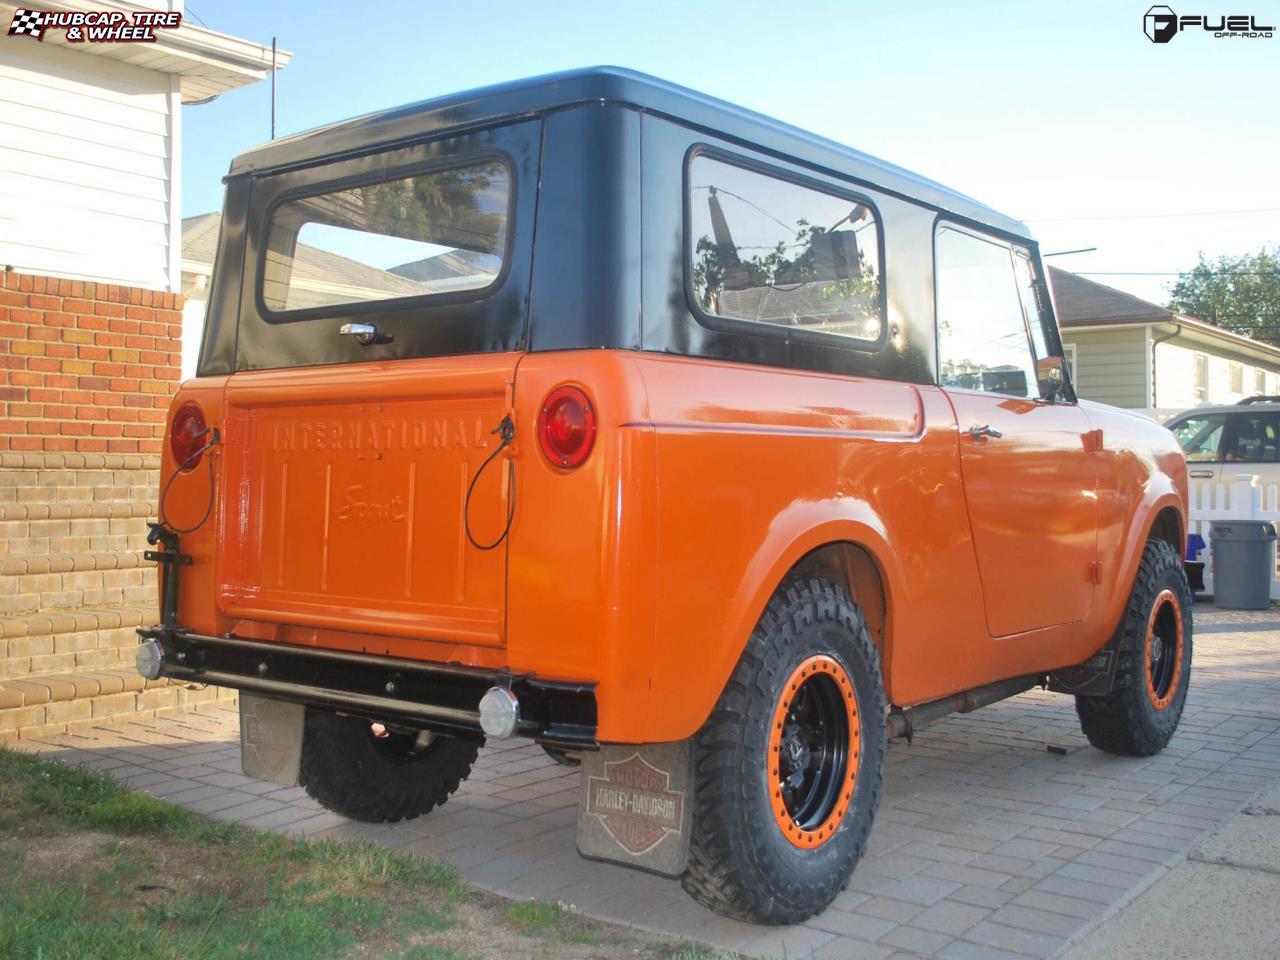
{"points": [[538, 95]]}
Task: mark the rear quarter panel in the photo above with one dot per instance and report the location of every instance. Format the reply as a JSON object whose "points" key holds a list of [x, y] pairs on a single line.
{"points": [[183, 501], [647, 568]]}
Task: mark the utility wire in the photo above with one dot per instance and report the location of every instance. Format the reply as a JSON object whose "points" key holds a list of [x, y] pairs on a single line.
{"points": [[754, 206], [1155, 216], [1175, 273]]}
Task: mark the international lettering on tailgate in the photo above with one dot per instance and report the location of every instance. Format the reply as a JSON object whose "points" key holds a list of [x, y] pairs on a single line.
{"points": [[375, 434]]}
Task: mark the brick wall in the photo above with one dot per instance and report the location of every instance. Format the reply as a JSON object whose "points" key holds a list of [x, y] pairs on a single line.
{"points": [[87, 367]]}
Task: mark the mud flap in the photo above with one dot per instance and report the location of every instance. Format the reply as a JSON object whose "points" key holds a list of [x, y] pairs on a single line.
{"points": [[635, 806], [270, 738]]}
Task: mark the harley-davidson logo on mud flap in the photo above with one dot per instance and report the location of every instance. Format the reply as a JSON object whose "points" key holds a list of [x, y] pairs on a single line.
{"points": [[635, 804]]}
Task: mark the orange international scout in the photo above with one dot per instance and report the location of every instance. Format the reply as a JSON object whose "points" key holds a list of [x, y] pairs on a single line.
{"points": [[705, 452]]}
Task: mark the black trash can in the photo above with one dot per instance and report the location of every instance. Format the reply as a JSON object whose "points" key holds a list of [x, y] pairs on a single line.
{"points": [[1243, 563]]}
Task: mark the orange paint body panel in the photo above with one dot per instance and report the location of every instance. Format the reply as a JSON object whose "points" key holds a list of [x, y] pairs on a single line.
{"points": [[351, 483], [338, 520], [1032, 498]]}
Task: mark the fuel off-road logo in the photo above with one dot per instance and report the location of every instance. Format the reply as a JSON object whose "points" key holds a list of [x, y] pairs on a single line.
{"points": [[95, 26], [1161, 25]]}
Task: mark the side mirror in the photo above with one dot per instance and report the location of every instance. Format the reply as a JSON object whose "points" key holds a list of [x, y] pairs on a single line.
{"points": [[1052, 376]]}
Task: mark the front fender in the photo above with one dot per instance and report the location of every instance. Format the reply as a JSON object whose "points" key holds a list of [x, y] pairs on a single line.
{"points": [[1118, 587], [1142, 473]]}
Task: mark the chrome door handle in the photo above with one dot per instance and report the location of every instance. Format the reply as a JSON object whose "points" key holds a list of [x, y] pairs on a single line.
{"points": [[984, 431], [365, 333], [1201, 474]]}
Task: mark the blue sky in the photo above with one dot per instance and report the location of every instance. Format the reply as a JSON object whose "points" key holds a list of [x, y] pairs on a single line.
{"points": [[1057, 113]]}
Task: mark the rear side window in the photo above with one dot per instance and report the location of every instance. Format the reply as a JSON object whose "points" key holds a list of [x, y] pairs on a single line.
{"points": [[770, 251], [439, 232], [1200, 436]]}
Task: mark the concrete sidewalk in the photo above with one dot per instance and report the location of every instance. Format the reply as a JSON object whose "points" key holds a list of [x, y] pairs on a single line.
{"points": [[1221, 903], [986, 846]]}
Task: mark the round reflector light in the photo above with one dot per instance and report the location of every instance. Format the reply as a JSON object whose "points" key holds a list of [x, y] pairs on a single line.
{"points": [[567, 426], [187, 436]]}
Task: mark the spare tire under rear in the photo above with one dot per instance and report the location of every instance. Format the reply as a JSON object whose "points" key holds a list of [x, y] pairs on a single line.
{"points": [[369, 772]]}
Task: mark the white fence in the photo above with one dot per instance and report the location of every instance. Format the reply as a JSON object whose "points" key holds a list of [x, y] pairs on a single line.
{"points": [[1243, 499]]}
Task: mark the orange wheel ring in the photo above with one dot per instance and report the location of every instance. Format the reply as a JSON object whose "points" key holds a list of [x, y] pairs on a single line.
{"points": [[815, 740], [1162, 650]]}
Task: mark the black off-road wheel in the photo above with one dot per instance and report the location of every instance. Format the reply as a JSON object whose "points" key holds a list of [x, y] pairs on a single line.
{"points": [[788, 766], [367, 771], [1153, 669]]}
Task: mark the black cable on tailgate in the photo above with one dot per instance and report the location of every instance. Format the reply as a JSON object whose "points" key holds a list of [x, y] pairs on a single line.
{"points": [[507, 431]]}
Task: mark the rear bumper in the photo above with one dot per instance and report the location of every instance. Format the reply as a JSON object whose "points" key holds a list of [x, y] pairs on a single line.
{"points": [[424, 695]]}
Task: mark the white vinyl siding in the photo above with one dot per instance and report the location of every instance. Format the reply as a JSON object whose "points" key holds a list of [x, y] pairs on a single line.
{"points": [[1110, 365], [1176, 375], [87, 167]]}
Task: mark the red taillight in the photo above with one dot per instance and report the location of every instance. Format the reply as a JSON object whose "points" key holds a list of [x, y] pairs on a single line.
{"points": [[187, 436], [567, 426]]}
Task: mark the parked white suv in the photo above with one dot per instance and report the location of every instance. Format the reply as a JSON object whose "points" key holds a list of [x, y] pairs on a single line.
{"points": [[1221, 442]]}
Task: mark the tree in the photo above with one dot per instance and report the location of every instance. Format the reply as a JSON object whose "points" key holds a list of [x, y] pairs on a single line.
{"points": [[1240, 293]]}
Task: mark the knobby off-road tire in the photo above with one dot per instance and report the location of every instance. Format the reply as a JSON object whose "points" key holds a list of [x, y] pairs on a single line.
{"points": [[1153, 670], [350, 770], [809, 656]]}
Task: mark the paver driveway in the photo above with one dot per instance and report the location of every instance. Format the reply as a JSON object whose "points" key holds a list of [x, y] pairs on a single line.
{"points": [[986, 844]]}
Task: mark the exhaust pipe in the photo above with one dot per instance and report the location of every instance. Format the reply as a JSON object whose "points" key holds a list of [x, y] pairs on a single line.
{"points": [[903, 723]]}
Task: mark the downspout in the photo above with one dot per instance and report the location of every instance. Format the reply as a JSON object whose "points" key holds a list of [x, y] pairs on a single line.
{"points": [[1177, 329]]}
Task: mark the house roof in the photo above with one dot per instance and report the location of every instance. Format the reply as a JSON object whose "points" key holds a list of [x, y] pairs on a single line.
{"points": [[538, 95], [316, 275], [206, 62], [200, 242], [1082, 302]]}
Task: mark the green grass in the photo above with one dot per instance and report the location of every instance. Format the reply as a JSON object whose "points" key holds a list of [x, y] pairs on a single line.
{"points": [[536, 915], [541, 918], [166, 883], [90, 870], [434, 953]]}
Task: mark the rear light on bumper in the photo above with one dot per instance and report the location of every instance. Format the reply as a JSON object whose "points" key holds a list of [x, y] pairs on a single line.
{"points": [[499, 713], [567, 426], [187, 436]]}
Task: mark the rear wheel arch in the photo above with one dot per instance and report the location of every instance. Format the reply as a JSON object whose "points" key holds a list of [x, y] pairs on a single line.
{"points": [[856, 568], [849, 551]]}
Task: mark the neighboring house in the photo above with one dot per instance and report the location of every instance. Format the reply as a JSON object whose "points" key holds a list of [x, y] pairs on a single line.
{"points": [[90, 335], [91, 143], [1126, 351]]}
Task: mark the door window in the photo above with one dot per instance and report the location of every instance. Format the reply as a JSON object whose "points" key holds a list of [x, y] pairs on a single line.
{"points": [[983, 343], [1200, 436], [1255, 438]]}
